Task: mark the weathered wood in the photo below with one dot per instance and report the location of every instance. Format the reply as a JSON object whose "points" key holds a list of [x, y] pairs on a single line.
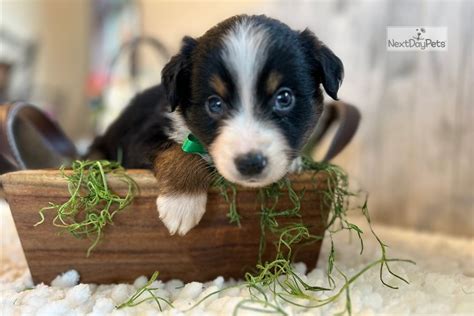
{"points": [[138, 243]]}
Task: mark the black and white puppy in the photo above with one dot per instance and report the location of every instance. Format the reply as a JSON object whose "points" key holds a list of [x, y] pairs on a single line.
{"points": [[248, 89]]}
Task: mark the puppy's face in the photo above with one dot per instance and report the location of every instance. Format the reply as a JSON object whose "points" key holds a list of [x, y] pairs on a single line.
{"points": [[249, 90]]}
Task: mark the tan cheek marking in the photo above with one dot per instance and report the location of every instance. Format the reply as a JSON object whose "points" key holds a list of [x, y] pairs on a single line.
{"points": [[219, 86], [273, 82]]}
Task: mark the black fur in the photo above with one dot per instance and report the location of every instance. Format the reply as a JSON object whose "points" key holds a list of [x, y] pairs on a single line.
{"points": [[327, 68], [138, 133], [176, 74]]}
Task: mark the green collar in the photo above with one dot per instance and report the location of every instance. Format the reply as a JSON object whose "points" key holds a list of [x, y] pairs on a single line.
{"points": [[192, 145]]}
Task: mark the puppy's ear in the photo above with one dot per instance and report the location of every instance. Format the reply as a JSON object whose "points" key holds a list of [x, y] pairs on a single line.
{"points": [[176, 75], [327, 67]]}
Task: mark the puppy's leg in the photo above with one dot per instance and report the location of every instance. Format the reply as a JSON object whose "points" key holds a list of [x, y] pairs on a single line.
{"points": [[183, 181]]}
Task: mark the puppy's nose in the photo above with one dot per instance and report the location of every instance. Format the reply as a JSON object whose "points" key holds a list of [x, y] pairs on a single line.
{"points": [[251, 164]]}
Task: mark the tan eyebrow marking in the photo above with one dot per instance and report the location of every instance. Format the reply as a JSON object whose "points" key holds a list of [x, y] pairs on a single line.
{"points": [[219, 85], [273, 81]]}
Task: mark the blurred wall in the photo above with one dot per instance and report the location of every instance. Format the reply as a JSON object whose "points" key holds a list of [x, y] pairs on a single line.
{"points": [[171, 20], [61, 30]]}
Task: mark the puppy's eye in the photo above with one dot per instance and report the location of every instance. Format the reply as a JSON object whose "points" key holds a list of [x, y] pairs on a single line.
{"points": [[215, 105], [283, 101]]}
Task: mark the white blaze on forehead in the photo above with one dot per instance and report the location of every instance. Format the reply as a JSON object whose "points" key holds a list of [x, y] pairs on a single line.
{"points": [[244, 53]]}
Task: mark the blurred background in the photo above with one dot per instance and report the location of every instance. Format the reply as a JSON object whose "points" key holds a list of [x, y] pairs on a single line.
{"points": [[82, 60]]}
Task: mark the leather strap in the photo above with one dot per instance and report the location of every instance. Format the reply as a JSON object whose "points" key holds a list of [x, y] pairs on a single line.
{"points": [[348, 117], [49, 131]]}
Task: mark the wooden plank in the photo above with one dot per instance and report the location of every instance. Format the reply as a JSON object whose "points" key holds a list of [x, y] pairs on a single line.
{"points": [[138, 243]]}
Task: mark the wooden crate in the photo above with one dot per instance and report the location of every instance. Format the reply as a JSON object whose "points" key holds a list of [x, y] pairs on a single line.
{"points": [[138, 243]]}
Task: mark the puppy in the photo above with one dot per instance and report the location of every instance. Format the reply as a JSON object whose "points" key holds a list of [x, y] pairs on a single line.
{"points": [[249, 90]]}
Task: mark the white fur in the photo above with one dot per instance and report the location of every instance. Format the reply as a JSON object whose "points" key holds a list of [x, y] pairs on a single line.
{"points": [[181, 212], [243, 134], [245, 52], [180, 130]]}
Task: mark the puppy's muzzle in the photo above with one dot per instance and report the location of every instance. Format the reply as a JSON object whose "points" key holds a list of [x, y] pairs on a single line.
{"points": [[251, 164]]}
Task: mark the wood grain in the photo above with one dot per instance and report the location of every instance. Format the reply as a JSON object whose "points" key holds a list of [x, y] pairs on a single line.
{"points": [[138, 243]]}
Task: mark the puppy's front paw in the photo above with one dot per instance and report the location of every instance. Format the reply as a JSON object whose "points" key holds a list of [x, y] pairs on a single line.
{"points": [[181, 212]]}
